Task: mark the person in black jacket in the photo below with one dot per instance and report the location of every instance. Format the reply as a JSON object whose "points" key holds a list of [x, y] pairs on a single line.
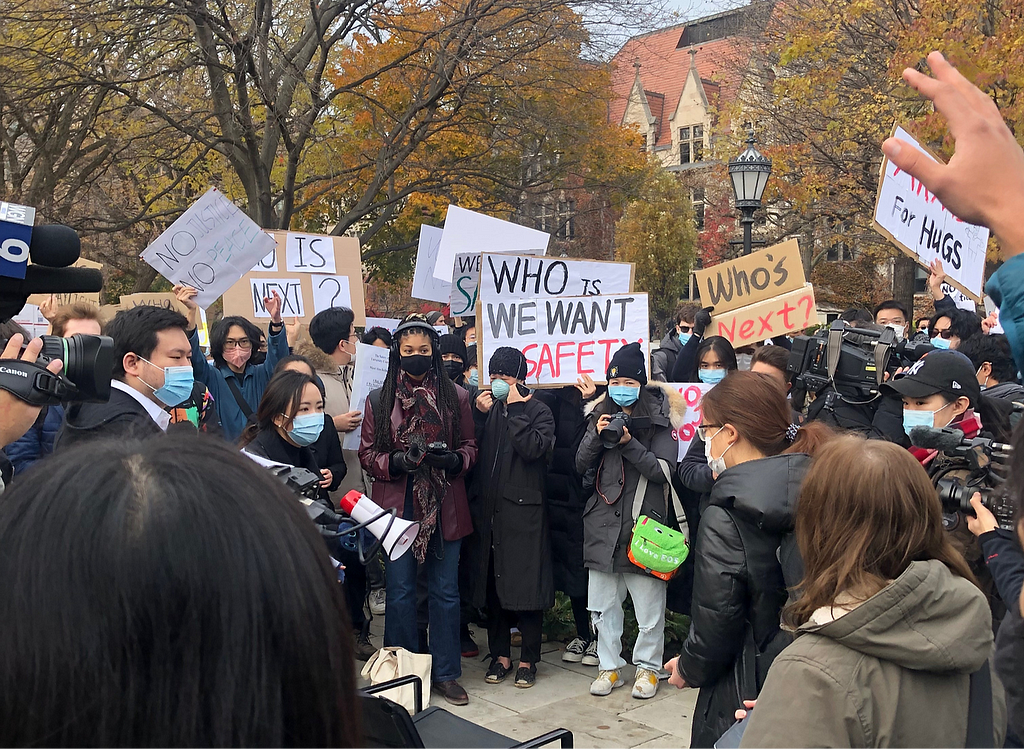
{"points": [[512, 540], [758, 459]]}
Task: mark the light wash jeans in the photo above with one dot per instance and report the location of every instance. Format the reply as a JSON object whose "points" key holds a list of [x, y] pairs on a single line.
{"points": [[605, 594]]}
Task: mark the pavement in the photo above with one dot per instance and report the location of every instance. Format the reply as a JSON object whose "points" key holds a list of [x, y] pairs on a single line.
{"points": [[561, 699]]}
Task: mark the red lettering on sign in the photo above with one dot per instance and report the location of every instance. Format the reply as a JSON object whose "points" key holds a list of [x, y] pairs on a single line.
{"points": [[608, 343], [765, 325], [531, 365], [585, 349], [730, 332], [545, 358], [786, 309], [747, 329], [559, 356]]}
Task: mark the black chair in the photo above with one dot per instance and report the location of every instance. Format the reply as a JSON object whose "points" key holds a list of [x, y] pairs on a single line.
{"points": [[388, 724]]}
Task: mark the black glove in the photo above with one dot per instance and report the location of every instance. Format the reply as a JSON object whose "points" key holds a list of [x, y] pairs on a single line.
{"points": [[406, 462], [701, 321], [447, 460]]}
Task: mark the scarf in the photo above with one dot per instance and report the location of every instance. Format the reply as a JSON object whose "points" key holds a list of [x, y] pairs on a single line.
{"points": [[421, 425], [969, 423]]}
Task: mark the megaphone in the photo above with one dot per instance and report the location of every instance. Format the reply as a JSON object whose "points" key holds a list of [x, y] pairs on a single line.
{"points": [[396, 535]]}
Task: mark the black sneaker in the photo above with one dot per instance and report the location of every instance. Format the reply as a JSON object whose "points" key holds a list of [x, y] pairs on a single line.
{"points": [[468, 646], [496, 673], [526, 677]]}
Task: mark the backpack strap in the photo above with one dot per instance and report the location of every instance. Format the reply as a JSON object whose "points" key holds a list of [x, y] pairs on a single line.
{"points": [[239, 399]]}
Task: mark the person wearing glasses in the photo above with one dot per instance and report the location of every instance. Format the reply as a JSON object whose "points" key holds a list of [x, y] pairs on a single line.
{"points": [[949, 327], [236, 383], [664, 358]]}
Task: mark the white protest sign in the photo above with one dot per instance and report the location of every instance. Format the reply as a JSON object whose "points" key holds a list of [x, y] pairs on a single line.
{"points": [[32, 320], [267, 263], [211, 246], [468, 231], [992, 309], [692, 393], [289, 289], [370, 372], [465, 283], [330, 291], [388, 323], [960, 299], [424, 284], [309, 253], [524, 277], [566, 337], [914, 219]]}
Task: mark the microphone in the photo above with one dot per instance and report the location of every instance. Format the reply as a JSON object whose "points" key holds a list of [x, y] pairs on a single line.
{"points": [[55, 245], [951, 440], [42, 279]]}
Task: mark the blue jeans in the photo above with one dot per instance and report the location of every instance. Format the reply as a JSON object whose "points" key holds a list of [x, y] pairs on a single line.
{"points": [[442, 569]]}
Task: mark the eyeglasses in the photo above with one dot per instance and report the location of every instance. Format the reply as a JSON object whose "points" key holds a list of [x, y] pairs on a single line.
{"points": [[243, 343], [947, 333], [683, 328], [702, 431]]}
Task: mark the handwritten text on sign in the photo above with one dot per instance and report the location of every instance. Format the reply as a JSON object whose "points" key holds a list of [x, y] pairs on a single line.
{"points": [[289, 289], [751, 278], [211, 246], [330, 291], [692, 393], [523, 277], [309, 253], [783, 314], [567, 337], [370, 373], [465, 283], [920, 225]]}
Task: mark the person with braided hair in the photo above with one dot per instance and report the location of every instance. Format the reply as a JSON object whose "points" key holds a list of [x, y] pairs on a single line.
{"points": [[418, 442]]}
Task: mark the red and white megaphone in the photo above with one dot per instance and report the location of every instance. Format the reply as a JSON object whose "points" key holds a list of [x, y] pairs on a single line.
{"points": [[395, 540]]}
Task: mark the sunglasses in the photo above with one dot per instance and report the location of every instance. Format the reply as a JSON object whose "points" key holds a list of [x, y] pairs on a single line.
{"points": [[685, 328], [947, 333]]}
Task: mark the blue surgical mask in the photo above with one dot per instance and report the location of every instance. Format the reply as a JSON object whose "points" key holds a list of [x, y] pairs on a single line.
{"points": [[940, 342], [711, 376], [499, 389], [474, 378], [177, 387], [684, 338], [624, 395], [306, 428], [913, 418]]}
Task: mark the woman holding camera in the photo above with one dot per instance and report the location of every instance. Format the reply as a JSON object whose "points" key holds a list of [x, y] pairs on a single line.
{"points": [[512, 570], [758, 458], [418, 443], [644, 454]]}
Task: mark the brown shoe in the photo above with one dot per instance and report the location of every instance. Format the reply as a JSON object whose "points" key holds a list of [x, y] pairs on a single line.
{"points": [[452, 691]]}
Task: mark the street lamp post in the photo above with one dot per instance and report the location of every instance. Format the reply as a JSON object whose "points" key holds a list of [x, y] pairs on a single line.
{"points": [[749, 174]]}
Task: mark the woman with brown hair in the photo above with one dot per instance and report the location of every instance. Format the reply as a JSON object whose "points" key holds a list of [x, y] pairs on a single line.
{"points": [[759, 459], [890, 623]]}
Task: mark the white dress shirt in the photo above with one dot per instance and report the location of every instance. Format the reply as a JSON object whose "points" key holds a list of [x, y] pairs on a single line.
{"points": [[161, 417]]}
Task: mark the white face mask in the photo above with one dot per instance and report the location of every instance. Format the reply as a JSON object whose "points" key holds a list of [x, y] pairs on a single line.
{"points": [[900, 330], [743, 361], [717, 465]]}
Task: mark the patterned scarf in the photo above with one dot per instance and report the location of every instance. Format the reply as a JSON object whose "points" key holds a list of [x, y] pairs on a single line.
{"points": [[421, 425]]}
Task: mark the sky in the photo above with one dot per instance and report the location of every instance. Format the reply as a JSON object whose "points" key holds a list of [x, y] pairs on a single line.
{"points": [[697, 8]]}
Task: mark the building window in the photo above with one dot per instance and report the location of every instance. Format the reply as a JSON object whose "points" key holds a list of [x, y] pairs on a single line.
{"points": [[691, 144], [567, 219], [542, 217], [697, 198], [839, 249]]}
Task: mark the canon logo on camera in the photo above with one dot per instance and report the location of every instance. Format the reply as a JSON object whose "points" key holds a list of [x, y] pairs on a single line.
{"points": [[7, 370]]}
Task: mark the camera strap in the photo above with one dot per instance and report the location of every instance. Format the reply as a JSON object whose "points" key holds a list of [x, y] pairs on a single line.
{"points": [[834, 348], [33, 383], [243, 404]]}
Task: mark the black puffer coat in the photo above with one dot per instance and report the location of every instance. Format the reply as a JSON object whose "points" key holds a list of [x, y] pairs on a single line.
{"points": [[739, 588]]}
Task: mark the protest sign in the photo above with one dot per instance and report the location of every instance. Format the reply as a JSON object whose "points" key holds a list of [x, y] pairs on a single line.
{"points": [[72, 298], [465, 284], [785, 313], [692, 393], [990, 309], [960, 299], [916, 222], [509, 277], [203, 329], [563, 338], [370, 371], [153, 299], [388, 323], [303, 294], [752, 278], [424, 284], [468, 231], [210, 247], [32, 320]]}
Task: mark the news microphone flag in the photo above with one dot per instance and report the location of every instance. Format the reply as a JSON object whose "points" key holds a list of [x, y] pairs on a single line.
{"points": [[15, 236]]}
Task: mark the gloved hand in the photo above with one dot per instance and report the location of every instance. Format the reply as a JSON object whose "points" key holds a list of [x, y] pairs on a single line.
{"points": [[701, 321], [407, 461], [447, 460]]}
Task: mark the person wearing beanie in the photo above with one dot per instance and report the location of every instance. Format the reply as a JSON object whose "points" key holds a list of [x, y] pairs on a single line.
{"points": [[647, 449], [454, 356], [511, 546]]}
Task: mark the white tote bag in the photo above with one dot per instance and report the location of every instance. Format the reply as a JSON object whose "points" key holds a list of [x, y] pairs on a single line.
{"points": [[390, 663]]}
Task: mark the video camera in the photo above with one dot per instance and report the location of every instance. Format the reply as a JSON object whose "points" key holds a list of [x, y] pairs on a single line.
{"points": [[980, 459]]}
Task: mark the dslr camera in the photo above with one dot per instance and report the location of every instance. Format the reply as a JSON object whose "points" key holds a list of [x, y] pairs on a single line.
{"points": [[613, 432], [88, 361]]}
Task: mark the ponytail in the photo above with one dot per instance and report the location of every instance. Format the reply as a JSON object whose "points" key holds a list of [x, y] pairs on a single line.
{"points": [[810, 438]]}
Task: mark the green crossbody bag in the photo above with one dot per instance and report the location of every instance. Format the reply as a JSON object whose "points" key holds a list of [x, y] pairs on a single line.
{"points": [[654, 547]]}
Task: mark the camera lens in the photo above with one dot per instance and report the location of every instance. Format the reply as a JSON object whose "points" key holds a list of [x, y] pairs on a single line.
{"points": [[88, 363]]}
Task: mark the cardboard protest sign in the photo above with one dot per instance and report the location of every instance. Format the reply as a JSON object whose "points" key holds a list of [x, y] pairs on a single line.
{"points": [[752, 278], [916, 222], [524, 277], [563, 338], [425, 285], [692, 393], [960, 299], [370, 371], [785, 313], [465, 284], [991, 308], [302, 293], [210, 247], [62, 299], [468, 231], [153, 299]]}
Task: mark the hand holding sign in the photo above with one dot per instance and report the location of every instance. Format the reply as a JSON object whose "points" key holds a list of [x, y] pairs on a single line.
{"points": [[187, 296]]}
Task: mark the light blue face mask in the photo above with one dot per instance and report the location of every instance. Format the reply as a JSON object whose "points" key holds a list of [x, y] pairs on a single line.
{"points": [[913, 418], [177, 387], [306, 428], [624, 395], [684, 338], [474, 378], [499, 389], [711, 376], [940, 342]]}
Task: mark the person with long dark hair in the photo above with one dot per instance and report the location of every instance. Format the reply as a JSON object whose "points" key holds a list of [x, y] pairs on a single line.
{"points": [[151, 607], [418, 443]]}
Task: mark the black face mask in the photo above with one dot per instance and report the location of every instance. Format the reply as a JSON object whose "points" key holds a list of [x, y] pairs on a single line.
{"points": [[258, 357], [416, 365], [454, 370]]}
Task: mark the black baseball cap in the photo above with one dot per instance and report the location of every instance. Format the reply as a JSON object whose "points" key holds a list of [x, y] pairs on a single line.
{"points": [[947, 372]]}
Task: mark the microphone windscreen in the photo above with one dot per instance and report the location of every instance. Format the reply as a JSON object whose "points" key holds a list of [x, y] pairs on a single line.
{"points": [[930, 438], [54, 245], [40, 279]]}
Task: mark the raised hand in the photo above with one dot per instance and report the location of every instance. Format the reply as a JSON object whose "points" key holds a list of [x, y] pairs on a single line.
{"points": [[273, 305]]}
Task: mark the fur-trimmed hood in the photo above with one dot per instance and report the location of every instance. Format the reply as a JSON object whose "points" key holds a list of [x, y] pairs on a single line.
{"points": [[672, 400], [322, 363]]}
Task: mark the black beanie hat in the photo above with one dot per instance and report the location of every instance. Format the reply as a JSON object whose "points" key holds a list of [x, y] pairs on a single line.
{"points": [[452, 344], [507, 361], [629, 362]]}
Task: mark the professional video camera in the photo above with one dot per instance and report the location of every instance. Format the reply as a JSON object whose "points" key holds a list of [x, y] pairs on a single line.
{"points": [[613, 431], [976, 466]]}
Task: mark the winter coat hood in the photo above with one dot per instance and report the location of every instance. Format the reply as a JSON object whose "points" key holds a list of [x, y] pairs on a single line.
{"points": [[763, 492], [321, 361], [673, 405], [671, 342]]}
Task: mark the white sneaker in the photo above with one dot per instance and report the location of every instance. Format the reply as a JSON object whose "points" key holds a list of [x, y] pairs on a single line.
{"points": [[645, 685], [378, 601], [605, 682], [574, 651], [590, 657]]}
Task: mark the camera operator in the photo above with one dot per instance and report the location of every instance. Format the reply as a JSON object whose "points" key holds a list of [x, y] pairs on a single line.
{"points": [[151, 370]]}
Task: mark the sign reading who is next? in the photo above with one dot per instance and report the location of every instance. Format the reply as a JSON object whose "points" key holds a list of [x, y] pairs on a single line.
{"points": [[917, 222]]}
